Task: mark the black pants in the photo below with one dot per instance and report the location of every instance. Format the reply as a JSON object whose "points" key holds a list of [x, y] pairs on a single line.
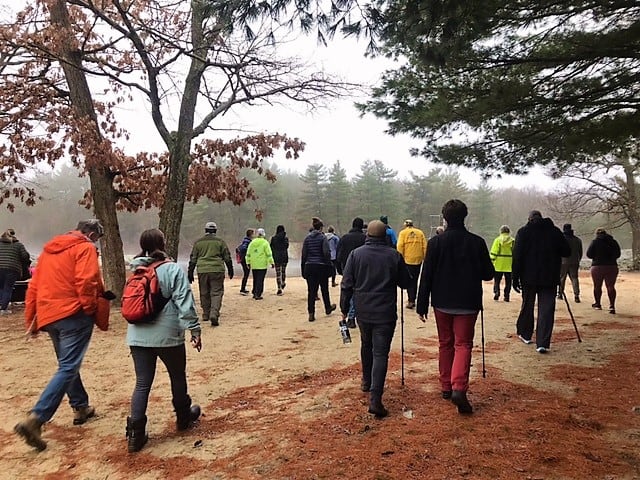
{"points": [[546, 311], [375, 343], [507, 283], [317, 275], [412, 289], [245, 275], [144, 363], [258, 282]]}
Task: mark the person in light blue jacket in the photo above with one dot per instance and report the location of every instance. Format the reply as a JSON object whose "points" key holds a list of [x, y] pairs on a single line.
{"points": [[163, 338]]}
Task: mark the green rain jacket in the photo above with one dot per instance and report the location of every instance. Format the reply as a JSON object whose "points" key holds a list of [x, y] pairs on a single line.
{"points": [[502, 252]]}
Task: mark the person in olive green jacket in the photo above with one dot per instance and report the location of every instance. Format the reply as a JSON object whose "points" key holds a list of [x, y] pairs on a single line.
{"points": [[259, 257], [210, 255], [502, 258]]}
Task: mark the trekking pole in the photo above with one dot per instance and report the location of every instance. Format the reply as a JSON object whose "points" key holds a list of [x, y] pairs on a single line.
{"points": [[564, 295], [484, 370], [402, 336]]}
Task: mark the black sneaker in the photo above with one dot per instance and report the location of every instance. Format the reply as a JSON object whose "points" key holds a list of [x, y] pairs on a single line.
{"points": [[496, 296], [577, 298], [612, 310], [351, 323], [330, 309], [446, 394], [244, 292], [279, 292], [596, 306]]}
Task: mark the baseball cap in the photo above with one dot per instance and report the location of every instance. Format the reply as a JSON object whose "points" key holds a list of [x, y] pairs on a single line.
{"points": [[210, 226], [260, 232]]}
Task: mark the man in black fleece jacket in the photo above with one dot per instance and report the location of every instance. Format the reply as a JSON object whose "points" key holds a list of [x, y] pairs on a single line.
{"points": [[537, 257], [456, 263], [371, 277]]}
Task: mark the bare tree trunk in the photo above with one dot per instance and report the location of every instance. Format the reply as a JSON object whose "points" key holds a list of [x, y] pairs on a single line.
{"points": [[633, 212], [173, 207], [180, 151], [104, 195]]}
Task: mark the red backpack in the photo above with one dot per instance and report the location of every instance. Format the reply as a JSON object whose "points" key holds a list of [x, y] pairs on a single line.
{"points": [[142, 299]]}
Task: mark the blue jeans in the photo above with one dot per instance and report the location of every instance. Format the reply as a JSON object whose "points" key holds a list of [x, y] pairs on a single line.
{"points": [[70, 337], [352, 310], [8, 278], [375, 344]]}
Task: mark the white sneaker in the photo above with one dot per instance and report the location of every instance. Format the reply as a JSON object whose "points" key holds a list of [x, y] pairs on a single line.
{"points": [[524, 340], [542, 350], [6, 312]]}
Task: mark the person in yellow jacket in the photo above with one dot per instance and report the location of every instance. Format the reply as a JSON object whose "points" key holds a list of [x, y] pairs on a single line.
{"points": [[502, 258], [412, 245], [259, 257]]}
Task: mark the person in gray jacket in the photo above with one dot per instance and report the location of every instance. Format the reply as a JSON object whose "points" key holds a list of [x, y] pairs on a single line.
{"points": [[371, 277], [164, 338], [571, 264]]}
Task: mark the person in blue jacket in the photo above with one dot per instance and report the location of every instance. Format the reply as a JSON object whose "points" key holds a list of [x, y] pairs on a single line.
{"points": [[164, 339], [392, 238]]}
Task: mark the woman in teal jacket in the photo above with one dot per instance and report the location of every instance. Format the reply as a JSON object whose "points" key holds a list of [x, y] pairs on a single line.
{"points": [[502, 258], [259, 257], [163, 338]]}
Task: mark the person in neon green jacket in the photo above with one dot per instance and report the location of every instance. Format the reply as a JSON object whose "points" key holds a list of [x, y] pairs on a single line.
{"points": [[259, 257], [502, 258]]}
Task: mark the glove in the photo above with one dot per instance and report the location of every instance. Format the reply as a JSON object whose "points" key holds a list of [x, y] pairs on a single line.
{"points": [[109, 295], [516, 286]]}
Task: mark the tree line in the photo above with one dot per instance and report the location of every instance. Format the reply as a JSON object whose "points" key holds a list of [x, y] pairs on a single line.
{"points": [[321, 190]]}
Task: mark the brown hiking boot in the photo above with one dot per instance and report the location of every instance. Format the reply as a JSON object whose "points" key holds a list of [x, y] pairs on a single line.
{"points": [[82, 414], [31, 431]]}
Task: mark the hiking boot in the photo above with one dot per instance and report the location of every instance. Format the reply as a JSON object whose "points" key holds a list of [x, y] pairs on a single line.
{"points": [[186, 418], [596, 306], [459, 399], [31, 431], [376, 407], [82, 414], [136, 434], [351, 323], [577, 298], [312, 317], [331, 308]]}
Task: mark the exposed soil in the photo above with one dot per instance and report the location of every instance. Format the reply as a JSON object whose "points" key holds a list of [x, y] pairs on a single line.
{"points": [[281, 400]]}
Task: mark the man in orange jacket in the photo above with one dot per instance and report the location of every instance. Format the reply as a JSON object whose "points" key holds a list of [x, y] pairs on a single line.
{"points": [[62, 300]]}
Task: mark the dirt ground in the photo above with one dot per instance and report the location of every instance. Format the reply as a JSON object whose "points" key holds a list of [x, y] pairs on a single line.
{"points": [[281, 400]]}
